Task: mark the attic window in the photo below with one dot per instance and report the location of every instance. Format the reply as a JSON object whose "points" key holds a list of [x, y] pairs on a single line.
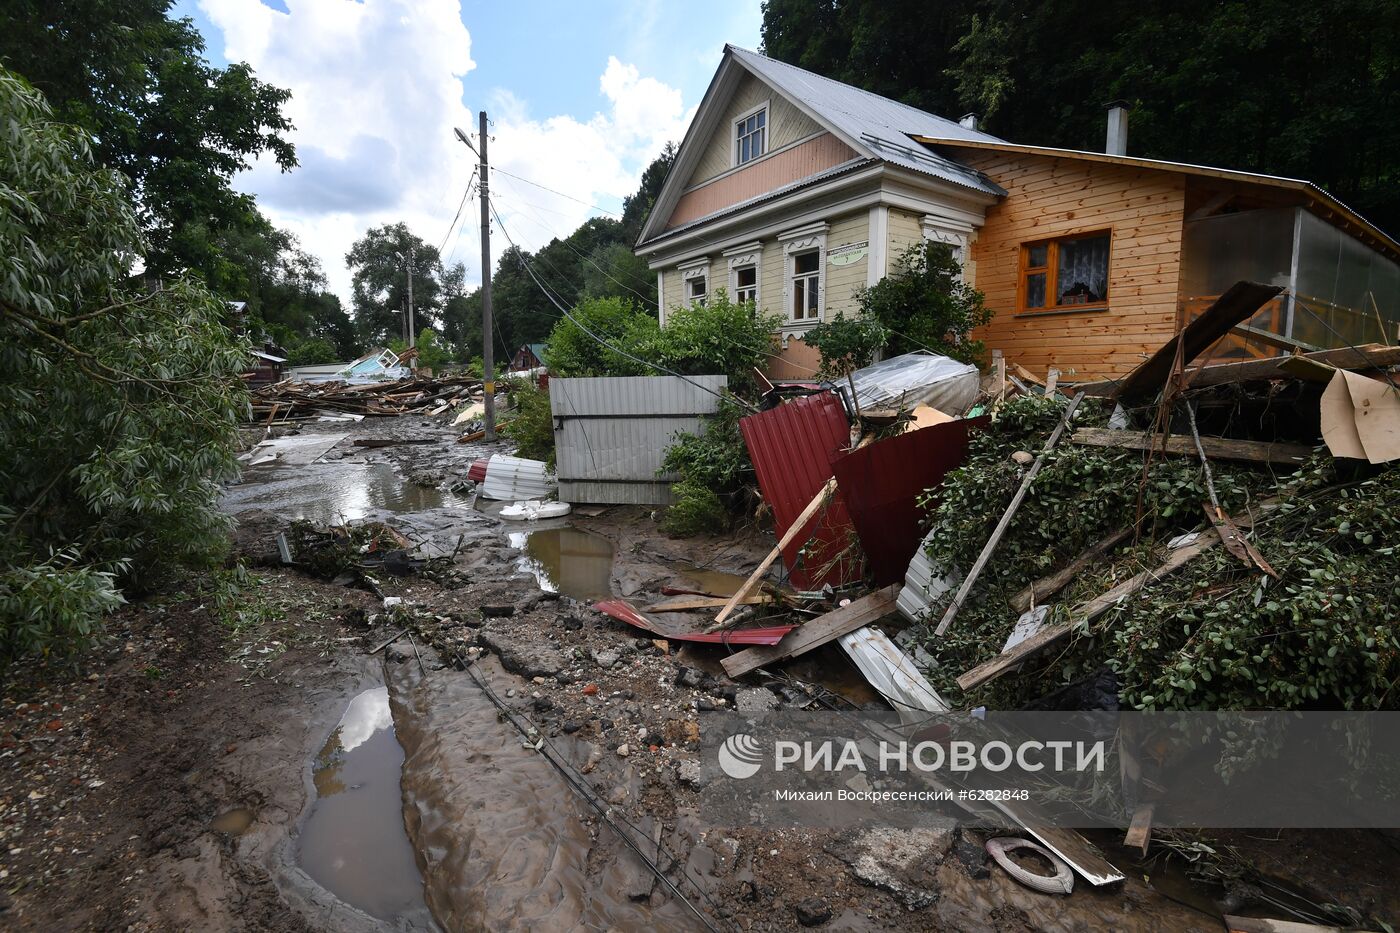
{"points": [[751, 136]]}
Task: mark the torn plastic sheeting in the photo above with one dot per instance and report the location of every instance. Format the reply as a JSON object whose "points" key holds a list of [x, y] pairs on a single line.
{"points": [[793, 448], [911, 378], [624, 611], [893, 675], [882, 484], [514, 478]]}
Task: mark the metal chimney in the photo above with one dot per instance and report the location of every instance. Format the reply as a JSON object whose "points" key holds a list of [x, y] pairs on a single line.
{"points": [[968, 121], [1117, 143]]}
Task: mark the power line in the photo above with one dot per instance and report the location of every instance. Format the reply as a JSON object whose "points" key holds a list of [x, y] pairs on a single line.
{"points": [[458, 216], [501, 171]]}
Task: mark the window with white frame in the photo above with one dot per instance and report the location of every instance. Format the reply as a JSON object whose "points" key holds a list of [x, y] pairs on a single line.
{"points": [[695, 282], [806, 286], [751, 136], [746, 283], [804, 275], [695, 290]]}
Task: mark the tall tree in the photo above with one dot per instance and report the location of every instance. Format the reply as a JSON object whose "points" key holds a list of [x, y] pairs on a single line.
{"points": [[379, 264], [1269, 86], [177, 127]]}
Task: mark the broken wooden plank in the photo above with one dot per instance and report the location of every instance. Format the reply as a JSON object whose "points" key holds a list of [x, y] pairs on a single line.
{"points": [[1091, 609], [1217, 448], [687, 603], [1273, 339], [1308, 370], [793, 531], [1046, 587], [1238, 304], [971, 579], [1368, 356], [817, 632], [1140, 829]]}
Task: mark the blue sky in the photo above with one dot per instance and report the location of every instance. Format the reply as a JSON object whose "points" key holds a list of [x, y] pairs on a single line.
{"points": [[581, 95]]}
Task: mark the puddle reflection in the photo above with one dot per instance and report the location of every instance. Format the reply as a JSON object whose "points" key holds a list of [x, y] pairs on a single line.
{"points": [[335, 492], [354, 843], [574, 563]]}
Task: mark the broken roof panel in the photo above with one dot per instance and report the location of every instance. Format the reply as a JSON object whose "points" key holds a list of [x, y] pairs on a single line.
{"points": [[793, 448]]}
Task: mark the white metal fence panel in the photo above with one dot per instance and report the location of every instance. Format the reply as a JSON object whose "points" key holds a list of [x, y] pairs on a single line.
{"points": [[611, 433]]}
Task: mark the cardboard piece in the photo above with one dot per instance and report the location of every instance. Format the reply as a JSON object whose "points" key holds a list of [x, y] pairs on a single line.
{"points": [[1361, 418], [926, 416]]}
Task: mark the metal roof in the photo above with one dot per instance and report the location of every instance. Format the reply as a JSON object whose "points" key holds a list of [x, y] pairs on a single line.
{"points": [[875, 126]]}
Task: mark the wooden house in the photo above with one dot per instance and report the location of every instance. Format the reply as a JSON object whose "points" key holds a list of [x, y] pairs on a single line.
{"points": [[795, 191], [529, 356]]}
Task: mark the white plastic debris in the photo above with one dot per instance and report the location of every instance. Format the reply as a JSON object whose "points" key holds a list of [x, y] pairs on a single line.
{"points": [[513, 479], [392, 601], [534, 510]]}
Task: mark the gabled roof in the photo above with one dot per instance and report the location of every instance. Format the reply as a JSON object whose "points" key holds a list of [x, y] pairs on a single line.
{"points": [[876, 127], [1299, 185]]}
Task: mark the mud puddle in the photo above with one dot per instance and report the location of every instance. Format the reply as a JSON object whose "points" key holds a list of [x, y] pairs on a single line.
{"points": [[334, 493], [354, 843], [565, 560]]}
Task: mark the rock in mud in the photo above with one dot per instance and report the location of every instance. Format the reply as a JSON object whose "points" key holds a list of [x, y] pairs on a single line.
{"points": [[973, 857], [755, 700], [689, 773], [903, 862], [497, 610], [522, 656], [690, 677], [607, 658], [812, 911]]}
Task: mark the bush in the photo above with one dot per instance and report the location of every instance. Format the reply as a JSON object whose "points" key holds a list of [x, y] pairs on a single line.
{"points": [[715, 475], [717, 338], [311, 352], [926, 305], [573, 352], [846, 344], [697, 510], [119, 404], [531, 426]]}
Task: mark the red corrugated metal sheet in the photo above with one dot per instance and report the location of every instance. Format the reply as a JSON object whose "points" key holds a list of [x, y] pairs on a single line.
{"points": [[624, 611], [793, 448], [883, 482]]}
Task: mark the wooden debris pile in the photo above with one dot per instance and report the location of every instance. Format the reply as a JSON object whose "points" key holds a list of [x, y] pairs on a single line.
{"points": [[290, 401]]}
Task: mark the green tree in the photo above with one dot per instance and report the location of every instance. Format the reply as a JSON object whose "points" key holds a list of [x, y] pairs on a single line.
{"points": [[846, 344], [178, 128], [720, 337], [574, 351], [119, 405], [378, 262], [1303, 89], [926, 305]]}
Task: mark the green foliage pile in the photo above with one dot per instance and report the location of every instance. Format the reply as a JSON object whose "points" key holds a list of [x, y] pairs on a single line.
{"points": [[1215, 635], [925, 305], [119, 405], [531, 425], [716, 476]]}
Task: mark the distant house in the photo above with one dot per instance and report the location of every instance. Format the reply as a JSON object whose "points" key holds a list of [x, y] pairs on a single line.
{"points": [[795, 191], [529, 356], [268, 366]]}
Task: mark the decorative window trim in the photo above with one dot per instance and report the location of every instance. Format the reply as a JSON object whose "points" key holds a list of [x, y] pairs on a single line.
{"points": [[734, 134], [803, 240], [749, 255], [955, 233], [696, 269]]}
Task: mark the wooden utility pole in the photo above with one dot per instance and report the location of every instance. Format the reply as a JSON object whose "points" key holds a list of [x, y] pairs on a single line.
{"points": [[488, 372]]}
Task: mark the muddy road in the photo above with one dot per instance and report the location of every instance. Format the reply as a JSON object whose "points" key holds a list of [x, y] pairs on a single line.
{"points": [[277, 750]]}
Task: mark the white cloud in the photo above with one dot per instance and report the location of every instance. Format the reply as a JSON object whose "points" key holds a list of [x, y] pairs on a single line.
{"points": [[376, 91]]}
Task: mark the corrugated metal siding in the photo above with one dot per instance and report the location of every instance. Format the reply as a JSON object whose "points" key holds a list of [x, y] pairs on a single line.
{"points": [[793, 448], [610, 433], [883, 483]]}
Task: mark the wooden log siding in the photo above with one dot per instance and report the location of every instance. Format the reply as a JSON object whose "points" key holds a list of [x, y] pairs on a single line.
{"points": [[1050, 197]]}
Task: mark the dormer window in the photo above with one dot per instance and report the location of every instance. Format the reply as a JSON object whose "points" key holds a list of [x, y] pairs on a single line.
{"points": [[751, 135]]}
